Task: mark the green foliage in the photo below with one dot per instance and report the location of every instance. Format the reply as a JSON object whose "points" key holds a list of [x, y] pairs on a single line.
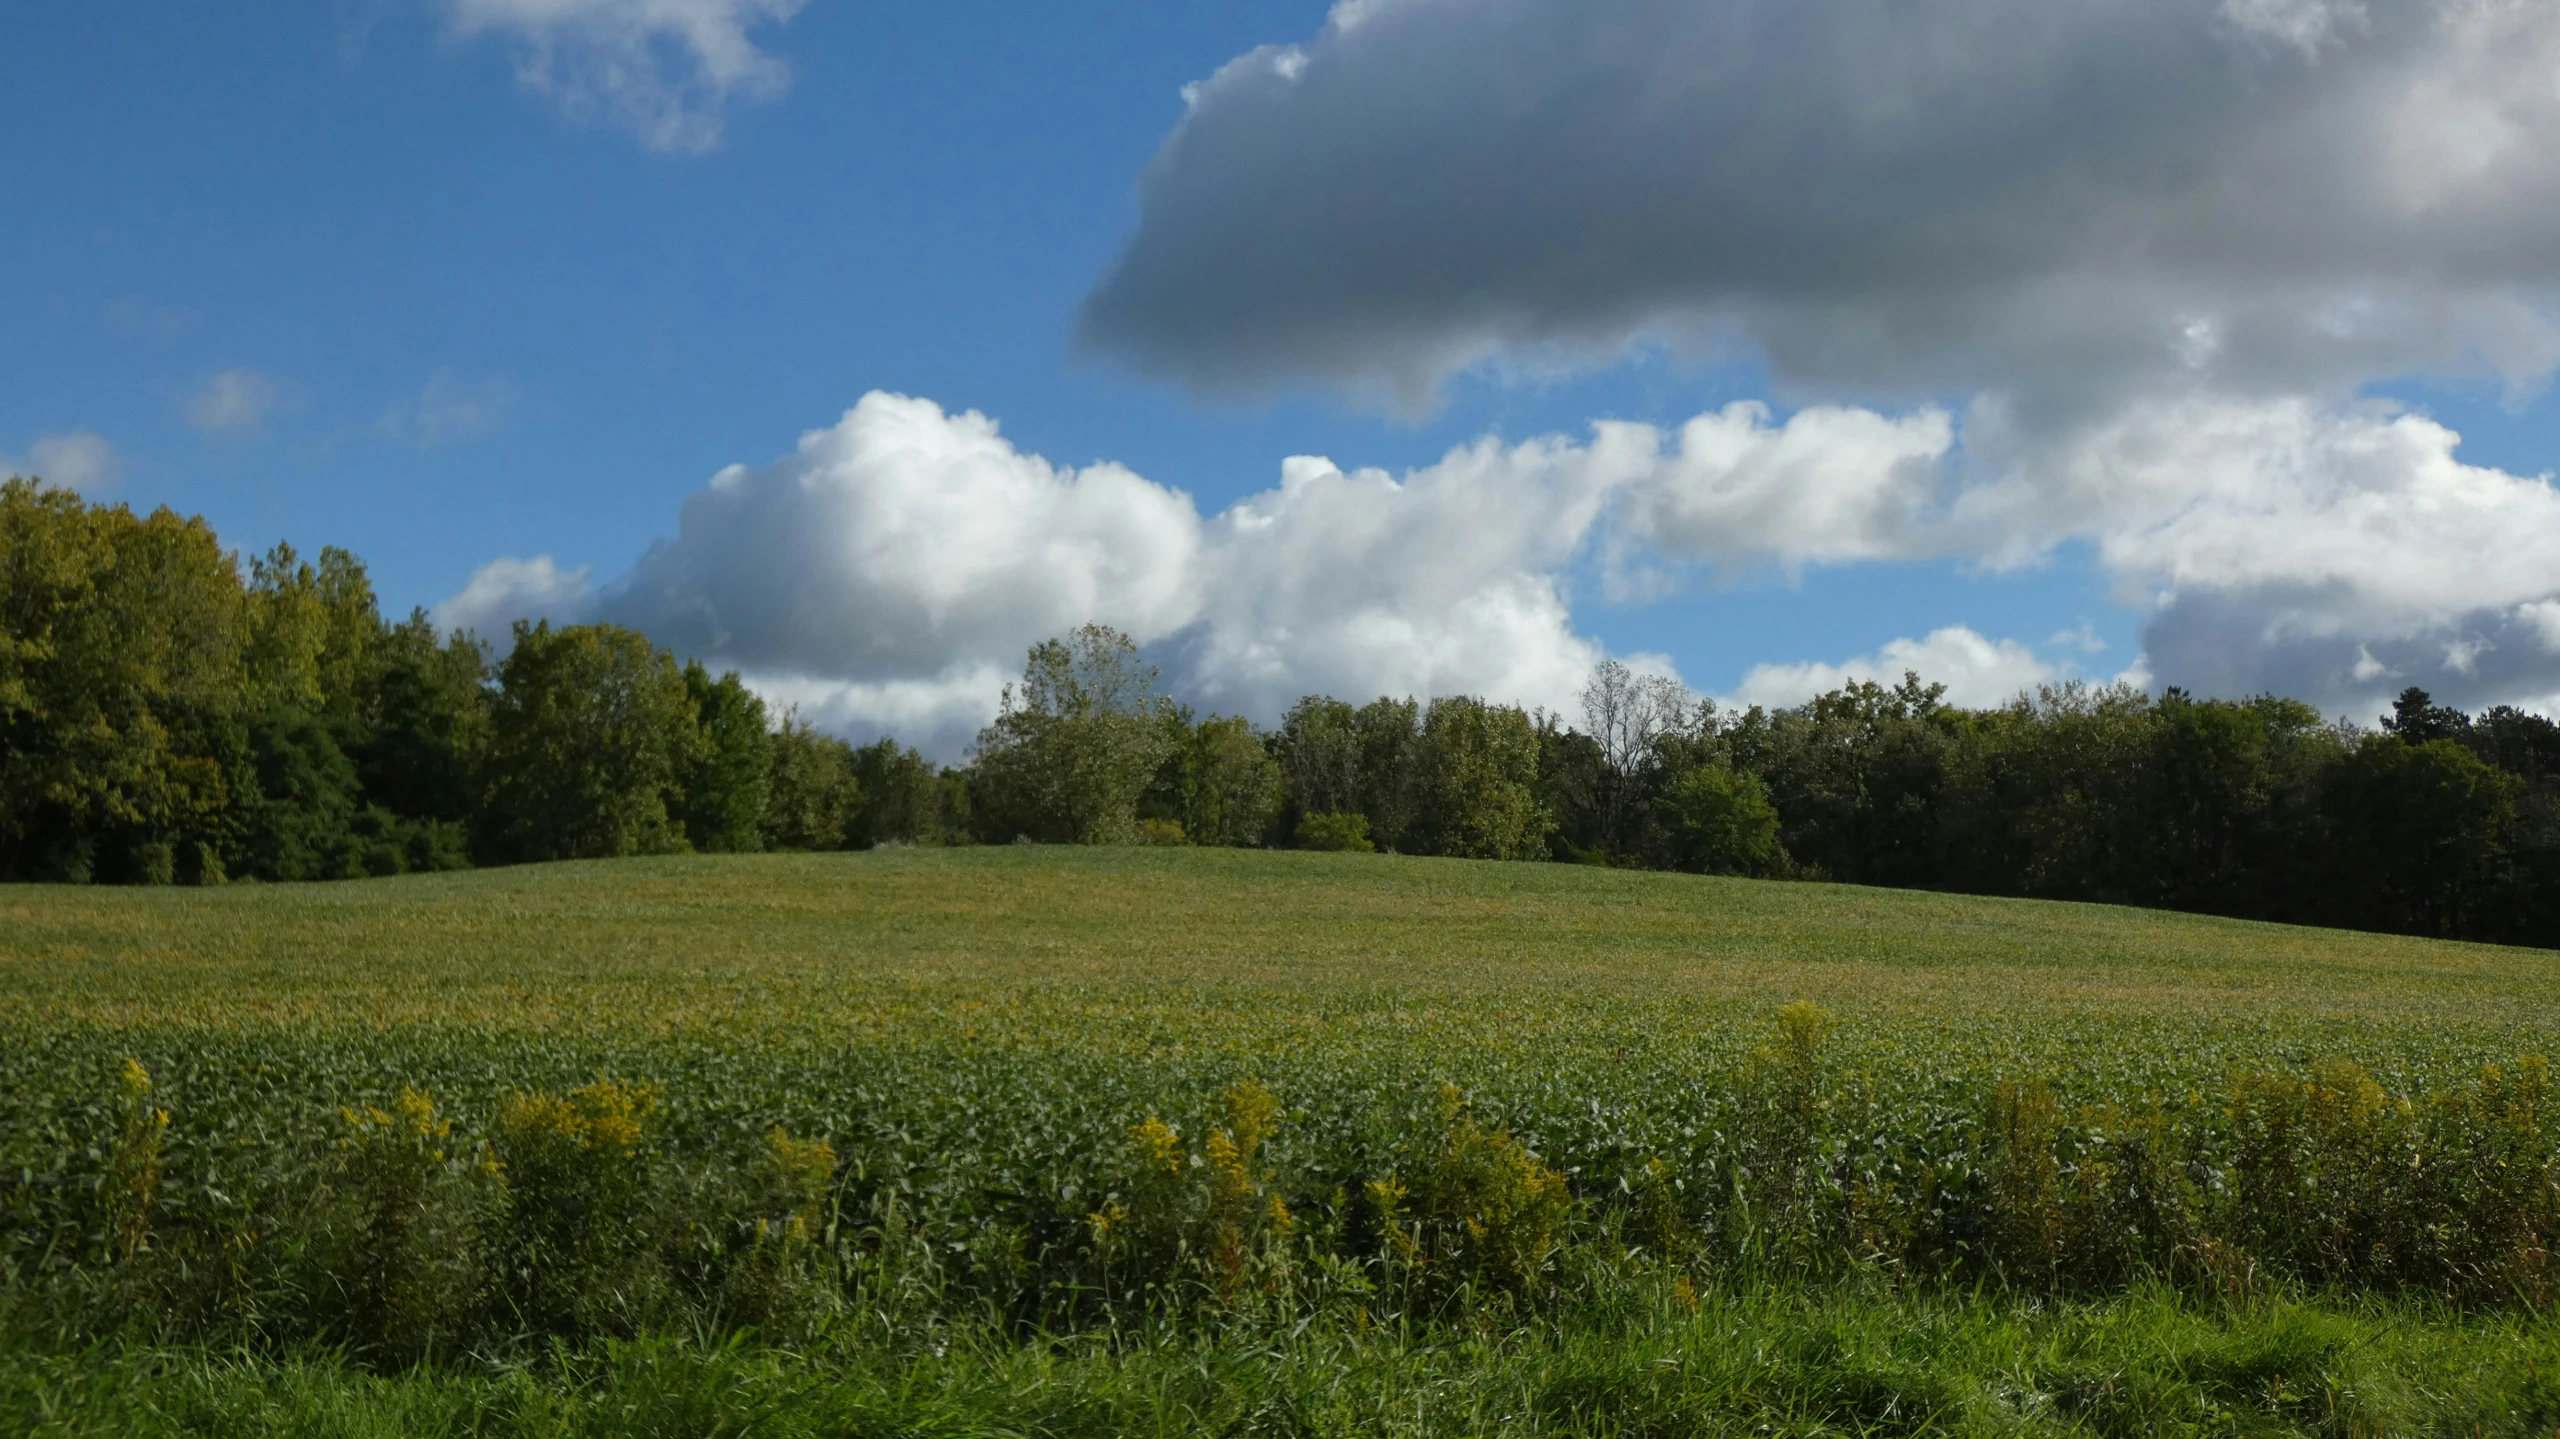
{"points": [[167, 717], [1075, 747], [1638, 1357], [2417, 833], [135, 1163], [577, 1169], [1725, 822], [1095, 1090], [1179, 1227], [1331, 831], [313, 636], [905, 799], [300, 823], [1319, 753], [1478, 767], [1857, 776], [1218, 781], [404, 1247], [727, 785], [120, 683], [813, 797], [592, 738], [1336, 759], [429, 722], [1468, 1208]]}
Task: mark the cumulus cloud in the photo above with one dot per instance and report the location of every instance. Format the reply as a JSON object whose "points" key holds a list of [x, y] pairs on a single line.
{"points": [[233, 401], [1924, 198], [2330, 552], [506, 590], [900, 537], [1977, 672], [665, 69], [1832, 485], [889, 573], [2331, 556], [2107, 275], [1443, 581], [80, 460]]}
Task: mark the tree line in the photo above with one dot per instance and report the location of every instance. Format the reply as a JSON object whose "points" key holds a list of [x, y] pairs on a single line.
{"points": [[169, 715]]}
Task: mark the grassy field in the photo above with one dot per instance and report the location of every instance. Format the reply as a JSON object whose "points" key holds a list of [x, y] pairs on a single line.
{"points": [[1609, 1153]]}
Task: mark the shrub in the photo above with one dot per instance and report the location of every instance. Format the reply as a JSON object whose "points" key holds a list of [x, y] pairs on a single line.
{"points": [[1473, 1210], [780, 1279], [2026, 1181], [134, 1163], [1215, 1219], [1342, 832], [412, 1215], [1777, 1187], [577, 1170]]}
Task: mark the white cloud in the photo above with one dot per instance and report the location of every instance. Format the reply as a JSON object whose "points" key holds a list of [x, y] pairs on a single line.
{"points": [[506, 590], [901, 540], [1830, 486], [938, 714], [1444, 581], [234, 400], [889, 573], [448, 410], [1977, 672], [80, 460], [892, 569], [665, 69], [2330, 554]]}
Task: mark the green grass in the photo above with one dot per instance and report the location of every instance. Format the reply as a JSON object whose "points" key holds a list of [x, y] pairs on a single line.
{"points": [[789, 941], [976, 1032], [1756, 1364]]}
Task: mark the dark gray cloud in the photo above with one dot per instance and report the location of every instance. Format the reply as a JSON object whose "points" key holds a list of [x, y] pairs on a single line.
{"points": [[1902, 196], [2256, 643]]}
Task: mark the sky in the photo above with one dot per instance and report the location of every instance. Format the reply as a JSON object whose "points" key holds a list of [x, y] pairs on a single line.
{"points": [[1392, 346]]}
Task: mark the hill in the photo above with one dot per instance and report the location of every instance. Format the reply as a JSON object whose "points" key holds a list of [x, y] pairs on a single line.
{"points": [[768, 934], [1342, 1132]]}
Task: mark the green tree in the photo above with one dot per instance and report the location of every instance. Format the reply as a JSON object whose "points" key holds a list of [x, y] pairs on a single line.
{"points": [[730, 772], [592, 736], [905, 798], [1318, 751], [1856, 775], [2417, 836], [1219, 781], [1725, 822], [813, 796], [1075, 746], [298, 818], [2226, 805], [121, 731], [2416, 718], [1391, 778], [1479, 775], [314, 637], [428, 724]]}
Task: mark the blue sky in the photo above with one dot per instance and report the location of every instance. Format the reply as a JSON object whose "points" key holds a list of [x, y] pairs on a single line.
{"points": [[349, 273]]}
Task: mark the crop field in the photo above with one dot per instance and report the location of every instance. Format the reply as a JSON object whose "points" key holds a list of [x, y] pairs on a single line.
{"points": [[1041, 1139]]}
